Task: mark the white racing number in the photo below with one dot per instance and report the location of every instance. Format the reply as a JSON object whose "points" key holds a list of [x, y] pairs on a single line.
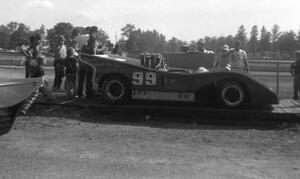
{"points": [[137, 78], [140, 78], [150, 78]]}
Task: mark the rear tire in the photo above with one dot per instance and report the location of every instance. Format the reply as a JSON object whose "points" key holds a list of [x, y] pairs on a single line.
{"points": [[232, 95], [115, 90]]}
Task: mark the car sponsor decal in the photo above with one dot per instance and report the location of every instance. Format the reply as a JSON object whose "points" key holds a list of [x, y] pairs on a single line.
{"points": [[163, 95]]}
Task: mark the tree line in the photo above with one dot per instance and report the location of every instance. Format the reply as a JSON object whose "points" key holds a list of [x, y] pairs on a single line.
{"points": [[135, 41], [15, 34], [260, 41]]}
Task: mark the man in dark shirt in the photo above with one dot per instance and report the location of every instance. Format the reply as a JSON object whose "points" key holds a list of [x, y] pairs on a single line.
{"points": [[86, 71], [295, 71], [27, 51], [71, 64]]}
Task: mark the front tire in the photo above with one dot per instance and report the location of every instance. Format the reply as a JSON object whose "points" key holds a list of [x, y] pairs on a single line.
{"points": [[232, 95], [115, 90]]}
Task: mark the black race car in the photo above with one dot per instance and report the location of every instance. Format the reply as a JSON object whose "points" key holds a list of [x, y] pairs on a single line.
{"points": [[121, 79]]}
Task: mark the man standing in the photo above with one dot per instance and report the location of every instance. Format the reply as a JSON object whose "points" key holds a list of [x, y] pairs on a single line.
{"points": [[28, 52], [59, 68], [38, 60], [87, 71], [295, 71], [223, 58], [238, 58]]}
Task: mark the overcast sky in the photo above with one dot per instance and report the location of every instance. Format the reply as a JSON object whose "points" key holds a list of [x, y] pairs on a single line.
{"points": [[184, 19]]}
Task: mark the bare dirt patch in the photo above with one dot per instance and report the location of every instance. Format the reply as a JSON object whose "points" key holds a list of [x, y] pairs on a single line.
{"points": [[70, 145]]}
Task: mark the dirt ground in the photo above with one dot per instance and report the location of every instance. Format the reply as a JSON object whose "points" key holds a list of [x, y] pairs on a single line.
{"points": [[57, 143], [70, 143]]}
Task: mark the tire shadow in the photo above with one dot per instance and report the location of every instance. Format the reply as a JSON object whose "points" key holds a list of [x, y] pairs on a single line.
{"points": [[176, 120]]}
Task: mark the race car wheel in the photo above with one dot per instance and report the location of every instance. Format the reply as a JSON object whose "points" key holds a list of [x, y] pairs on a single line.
{"points": [[115, 90], [232, 95]]}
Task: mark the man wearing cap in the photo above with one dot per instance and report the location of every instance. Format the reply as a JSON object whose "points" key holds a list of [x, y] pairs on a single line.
{"points": [[59, 67], [223, 57], [295, 71]]}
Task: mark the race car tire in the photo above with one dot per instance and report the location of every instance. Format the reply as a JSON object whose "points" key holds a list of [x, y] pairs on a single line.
{"points": [[115, 90], [232, 94]]}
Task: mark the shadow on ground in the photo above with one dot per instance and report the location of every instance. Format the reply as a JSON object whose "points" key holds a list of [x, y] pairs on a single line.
{"points": [[178, 120]]}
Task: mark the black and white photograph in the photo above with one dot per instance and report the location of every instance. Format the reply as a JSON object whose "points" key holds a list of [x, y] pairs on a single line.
{"points": [[149, 89]]}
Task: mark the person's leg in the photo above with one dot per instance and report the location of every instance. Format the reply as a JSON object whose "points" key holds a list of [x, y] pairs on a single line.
{"points": [[81, 76], [296, 86], [62, 72], [59, 76], [71, 84], [89, 82], [56, 71], [27, 70], [68, 85], [75, 83]]}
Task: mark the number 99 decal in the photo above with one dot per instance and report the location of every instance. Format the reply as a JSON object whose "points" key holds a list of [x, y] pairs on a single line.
{"points": [[140, 78]]}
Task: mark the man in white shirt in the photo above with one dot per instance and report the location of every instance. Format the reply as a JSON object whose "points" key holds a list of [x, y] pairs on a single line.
{"points": [[238, 58], [59, 67]]}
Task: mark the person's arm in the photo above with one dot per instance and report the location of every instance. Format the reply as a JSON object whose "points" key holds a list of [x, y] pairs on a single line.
{"points": [[101, 50], [26, 51]]}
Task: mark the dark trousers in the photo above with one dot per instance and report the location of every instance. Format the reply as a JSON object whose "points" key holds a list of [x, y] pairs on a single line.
{"points": [[296, 85], [86, 72], [27, 70], [59, 70], [71, 84]]}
